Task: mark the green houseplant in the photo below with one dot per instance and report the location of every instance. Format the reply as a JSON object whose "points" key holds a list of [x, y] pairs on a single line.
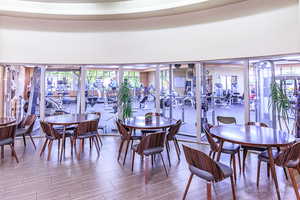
{"points": [[124, 100], [281, 104]]}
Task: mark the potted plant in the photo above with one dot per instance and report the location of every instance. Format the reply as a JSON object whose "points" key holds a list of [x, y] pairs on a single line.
{"points": [[124, 100], [281, 104]]}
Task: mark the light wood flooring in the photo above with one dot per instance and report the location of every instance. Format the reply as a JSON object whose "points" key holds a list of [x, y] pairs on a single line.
{"points": [[102, 177]]}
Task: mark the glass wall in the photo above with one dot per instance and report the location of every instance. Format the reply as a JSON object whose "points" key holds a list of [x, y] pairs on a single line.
{"points": [[223, 91], [101, 95], [62, 91]]}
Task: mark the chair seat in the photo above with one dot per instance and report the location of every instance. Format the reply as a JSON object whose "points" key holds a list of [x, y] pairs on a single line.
{"points": [[87, 135], [149, 131], [151, 151], [6, 141], [264, 156], [21, 131], [227, 171], [254, 148], [67, 134], [230, 148]]}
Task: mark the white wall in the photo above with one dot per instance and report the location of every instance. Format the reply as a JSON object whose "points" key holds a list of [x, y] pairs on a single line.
{"points": [[251, 28]]}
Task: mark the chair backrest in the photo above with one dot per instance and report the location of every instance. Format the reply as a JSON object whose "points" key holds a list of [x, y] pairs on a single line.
{"points": [[291, 153], [203, 162], [8, 131], [154, 114], [124, 132], [226, 120], [261, 124], [173, 130], [87, 127], [29, 122], [213, 145], [152, 140], [49, 130]]}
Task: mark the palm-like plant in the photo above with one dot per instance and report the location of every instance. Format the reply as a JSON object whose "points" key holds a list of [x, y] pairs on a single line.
{"points": [[280, 103], [124, 100]]}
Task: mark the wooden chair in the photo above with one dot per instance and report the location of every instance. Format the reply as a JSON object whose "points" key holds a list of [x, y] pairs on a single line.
{"points": [[226, 120], [53, 134], [206, 168], [99, 127], [228, 148], [25, 128], [87, 130], [288, 158], [150, 145], [247, 148], [7, 137], [125, 137], [171, 136]]}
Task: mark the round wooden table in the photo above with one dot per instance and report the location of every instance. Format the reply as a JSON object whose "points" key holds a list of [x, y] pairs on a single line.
{"points": [[67, 120], [6, 121], [157, 122], [255, 136]]}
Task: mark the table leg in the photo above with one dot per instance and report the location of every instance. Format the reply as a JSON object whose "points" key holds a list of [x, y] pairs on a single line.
{"points": [[62, 144], [273, 171], [220, 150]]}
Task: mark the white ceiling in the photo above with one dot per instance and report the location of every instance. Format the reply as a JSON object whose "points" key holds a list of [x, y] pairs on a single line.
{"points": [[76, 1]]}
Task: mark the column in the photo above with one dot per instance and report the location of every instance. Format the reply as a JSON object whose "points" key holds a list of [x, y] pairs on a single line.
{"points": [[82, 89], [199, 69], [157, 88], [246, 91], [42, 92]]}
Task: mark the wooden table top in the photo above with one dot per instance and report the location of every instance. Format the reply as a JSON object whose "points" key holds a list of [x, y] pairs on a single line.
{"points": [[252, 135], [70, 119], [6, 121], [157, 122]]}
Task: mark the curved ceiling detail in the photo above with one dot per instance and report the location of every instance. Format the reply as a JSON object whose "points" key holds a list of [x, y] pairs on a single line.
{"points": [[104, 9]]}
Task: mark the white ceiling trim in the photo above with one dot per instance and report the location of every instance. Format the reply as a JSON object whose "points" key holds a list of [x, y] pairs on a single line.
{"points": [[106, 10]]}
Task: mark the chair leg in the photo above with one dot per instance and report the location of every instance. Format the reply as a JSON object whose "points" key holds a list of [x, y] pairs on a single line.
{"points": [[268, 170], [30, 136], [94, 139], [120, 149], [44, 147], [176, 148], [285, 173], [132, 163], [162, 159], [232, 188], [127, 146], [245, 151], [91, 144], [14, 152], [99, 137], [98, 141], [208, 190], [187, 186], [239, 157], [49, 149], [168, 152], [214, 155], [234, 167], [210, 153], [258, 172], [176, 141], [24, 140], [2, 152], [58, 147], [294, 183]]}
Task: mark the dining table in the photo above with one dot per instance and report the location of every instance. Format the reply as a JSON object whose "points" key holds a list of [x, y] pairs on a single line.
{"points": [[68, 120], [4, 121], [141, 123], [255, 136]]}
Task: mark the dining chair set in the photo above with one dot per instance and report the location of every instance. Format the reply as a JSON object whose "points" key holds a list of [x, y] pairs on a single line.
{"points": [[208, 168], [9, 132], [148, 143], [76, 133]]}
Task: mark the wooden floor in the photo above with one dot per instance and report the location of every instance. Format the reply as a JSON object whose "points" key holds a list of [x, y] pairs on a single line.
{"points": [[103, 177]]}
